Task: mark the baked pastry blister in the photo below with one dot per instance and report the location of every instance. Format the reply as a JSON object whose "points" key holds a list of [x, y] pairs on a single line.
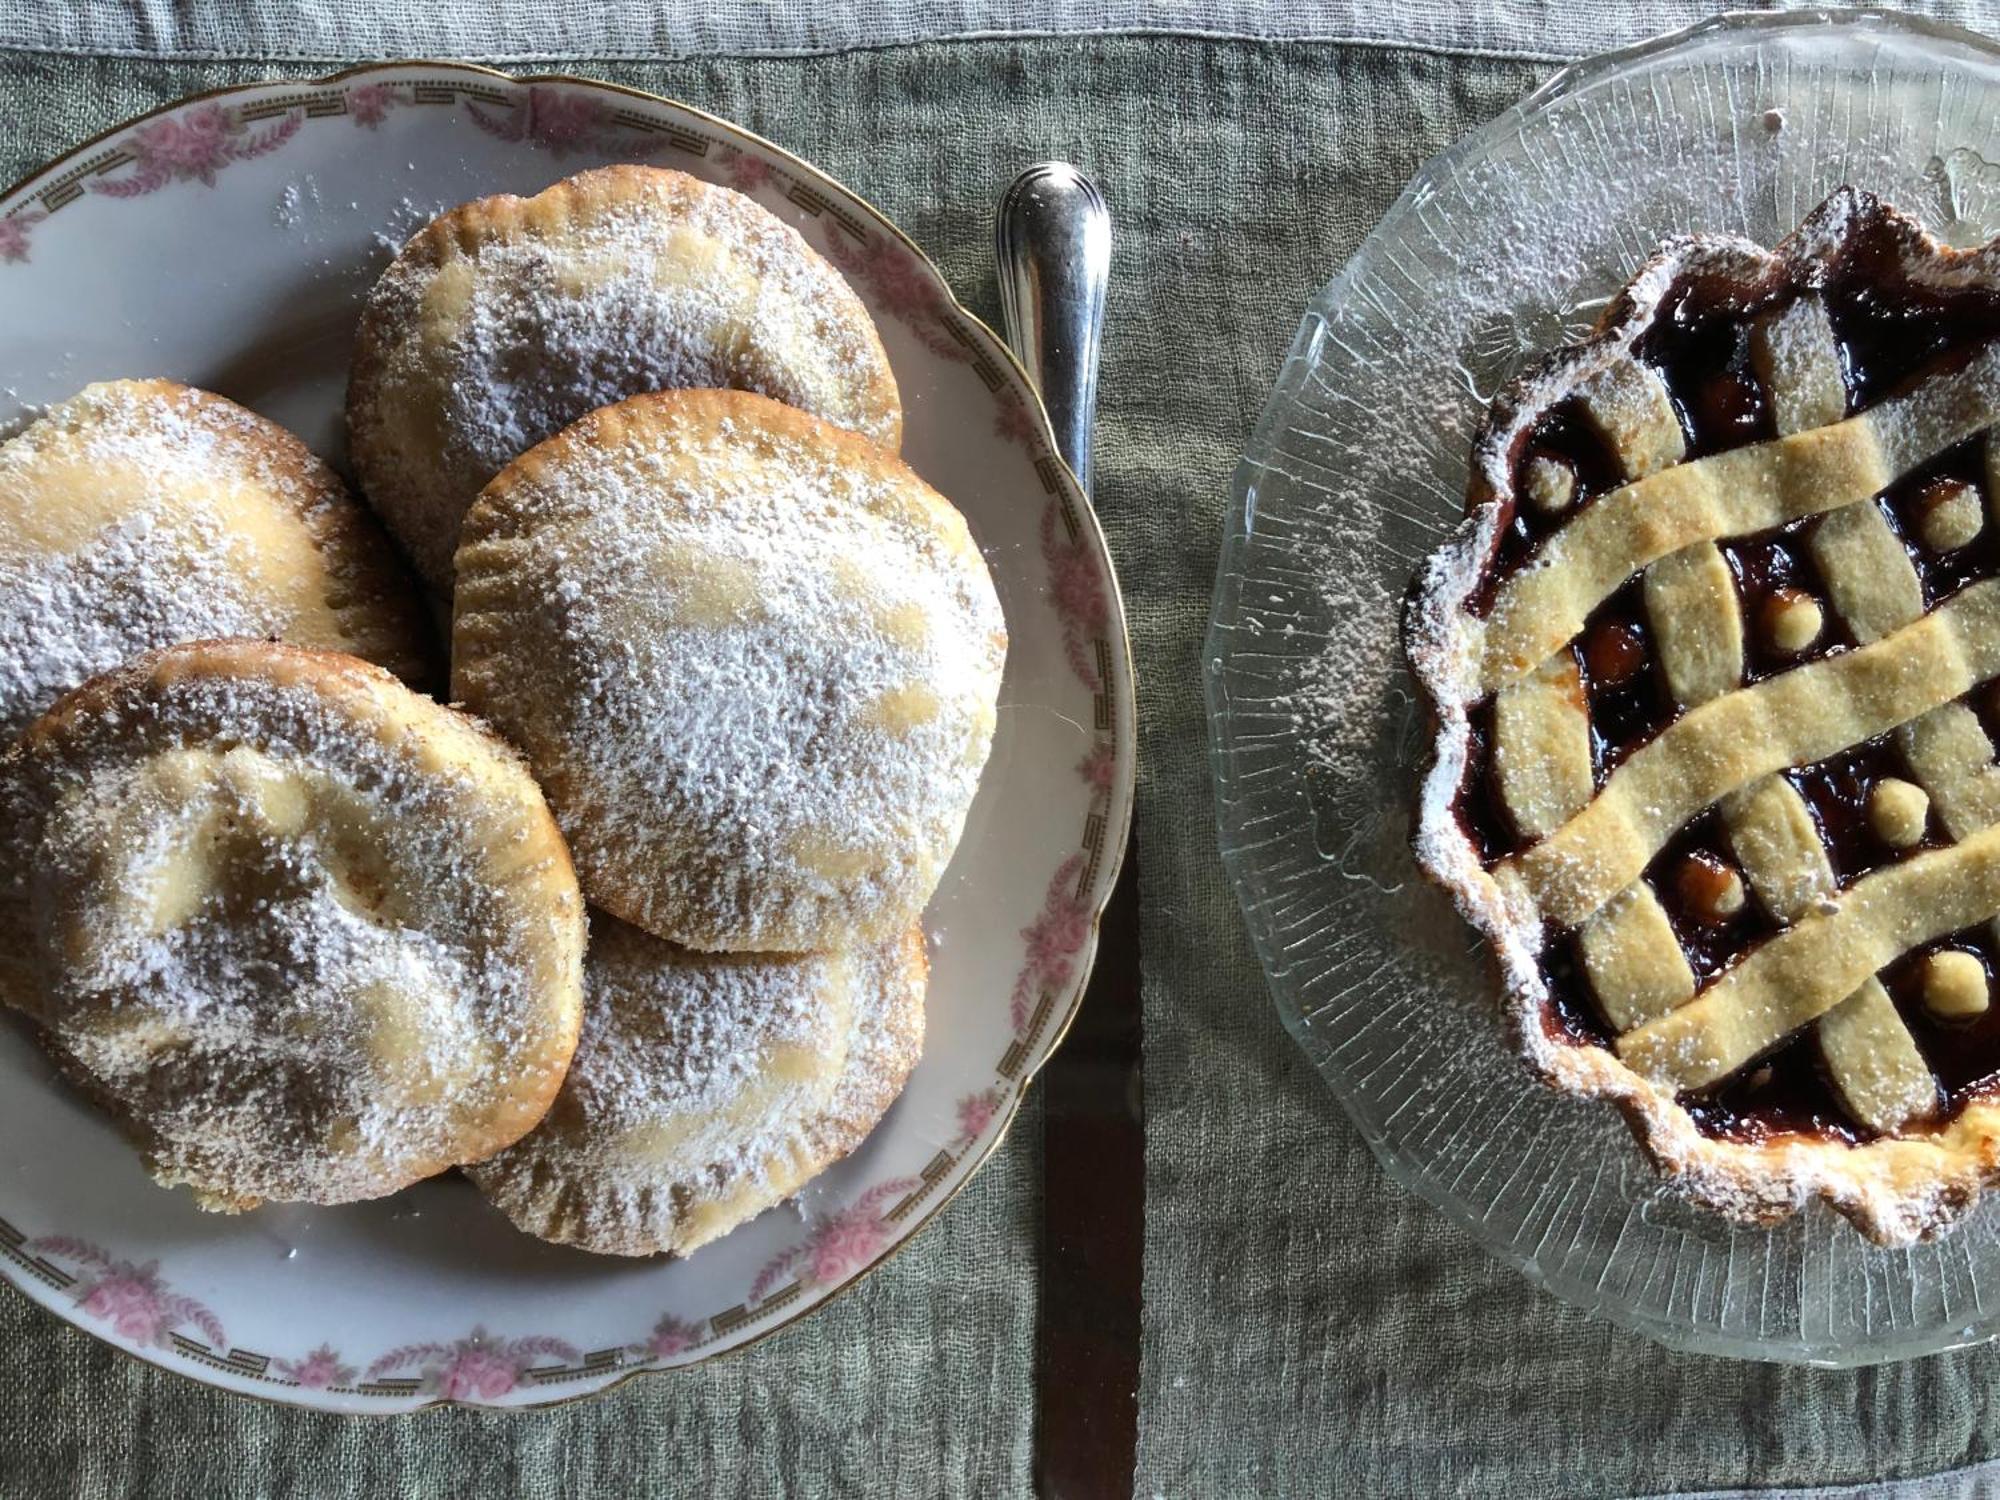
{"points": [[1712, 666]]}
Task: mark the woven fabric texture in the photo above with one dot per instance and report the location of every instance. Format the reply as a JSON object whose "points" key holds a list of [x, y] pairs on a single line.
{"points": [[1309, 1328], [349, 30]]}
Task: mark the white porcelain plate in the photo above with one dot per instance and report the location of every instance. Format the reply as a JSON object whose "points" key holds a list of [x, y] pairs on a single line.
{"points": [[228, 241]]}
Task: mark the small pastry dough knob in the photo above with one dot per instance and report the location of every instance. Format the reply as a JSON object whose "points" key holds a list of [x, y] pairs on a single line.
{"points": [[1955, 986], [1550, 484], [1897, 811], [1793, 620], [1949, 515]]}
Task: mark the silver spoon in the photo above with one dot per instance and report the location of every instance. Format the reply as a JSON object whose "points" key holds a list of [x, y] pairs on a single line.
{"points": [[1052, 238]]}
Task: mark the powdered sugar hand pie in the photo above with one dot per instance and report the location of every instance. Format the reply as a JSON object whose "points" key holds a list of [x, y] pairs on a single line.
{"points": [[708, 1087], [752, 659], [1714, 662], [508, 318], [142, 513], [308, 934]]}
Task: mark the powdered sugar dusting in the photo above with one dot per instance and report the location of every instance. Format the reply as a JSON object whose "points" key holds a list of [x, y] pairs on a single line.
{"points": [[141, 582], [712, 1019], [283, 1004], [638, 281], [164, 566], [678, 1119], [757, 676]]}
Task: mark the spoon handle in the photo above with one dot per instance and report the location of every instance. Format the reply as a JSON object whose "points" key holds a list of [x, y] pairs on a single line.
{"points": [[1052, 239]]}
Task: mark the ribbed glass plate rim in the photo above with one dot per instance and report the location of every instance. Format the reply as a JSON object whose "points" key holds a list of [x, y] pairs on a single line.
{"points": [[1257, 890]]}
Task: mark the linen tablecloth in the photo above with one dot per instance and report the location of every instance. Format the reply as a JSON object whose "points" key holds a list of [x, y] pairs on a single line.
{"points": [[1309, 1328]]}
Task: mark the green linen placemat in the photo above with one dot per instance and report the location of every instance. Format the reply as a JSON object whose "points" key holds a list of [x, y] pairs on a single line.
{"points": [[1310, 1329]]}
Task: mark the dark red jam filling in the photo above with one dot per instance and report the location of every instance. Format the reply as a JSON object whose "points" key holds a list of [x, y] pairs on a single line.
{"points": [[1837, 791], [1944, 573], [1702, 353], [1564, 436], [1709, 939], [1788, 1093], [1889, 330], [1623, 684], [1769, 567], [1481, 812], [1890, 335]]}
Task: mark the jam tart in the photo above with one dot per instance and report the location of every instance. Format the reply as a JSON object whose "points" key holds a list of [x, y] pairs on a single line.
{"points": [[1712, 665]]}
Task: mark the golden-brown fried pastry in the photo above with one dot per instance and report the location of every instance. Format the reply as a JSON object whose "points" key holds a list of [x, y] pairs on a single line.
{"points": [[142, 513], [508, 318], [753, 660], [309, 935], [708, 1087]]}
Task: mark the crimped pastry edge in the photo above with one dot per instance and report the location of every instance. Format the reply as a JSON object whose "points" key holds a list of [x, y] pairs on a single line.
{"points": [[1895, 1190]]}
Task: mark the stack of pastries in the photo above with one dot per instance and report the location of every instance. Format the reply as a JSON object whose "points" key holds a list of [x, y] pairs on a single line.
{"points": [[628, 928]]}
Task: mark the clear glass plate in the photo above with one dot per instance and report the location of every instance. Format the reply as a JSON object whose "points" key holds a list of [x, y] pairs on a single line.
{"points": [[1501, 248]]}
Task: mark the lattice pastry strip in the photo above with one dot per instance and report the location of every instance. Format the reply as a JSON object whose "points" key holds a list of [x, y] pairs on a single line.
{"points": [[1882, 1077], [1629, 951], [1541, 746], [1869, 1051], [1542, 740]]}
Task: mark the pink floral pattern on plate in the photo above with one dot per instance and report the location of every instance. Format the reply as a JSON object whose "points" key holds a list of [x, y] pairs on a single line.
{"points": [[671, 1336], [746, 172], [192, 146], [1055, 939], [368, 104], [1077, 588], [840, 1244], [132, 1300], [478, 1367], [1016, 424], [1100, 767], [318, 1371], [14, 234], [976, 1113], [560, 121], [893, 281]]}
